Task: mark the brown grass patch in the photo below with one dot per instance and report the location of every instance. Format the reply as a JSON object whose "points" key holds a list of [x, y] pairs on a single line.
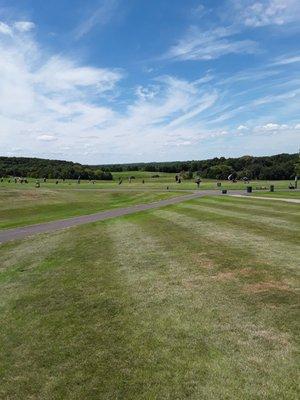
{"points": [[192, 283], [247, 272], [266, 286], [202, 261], [272, 336], [225, 276]]}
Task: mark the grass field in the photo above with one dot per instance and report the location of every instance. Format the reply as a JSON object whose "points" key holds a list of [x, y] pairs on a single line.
{"points": [[291, 194], [31, 206], [193, 301], [161, 183]]}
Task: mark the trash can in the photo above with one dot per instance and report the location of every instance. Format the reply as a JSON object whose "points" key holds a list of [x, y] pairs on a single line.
{"points": [[224, 191], [249, 189], [271, 188]]}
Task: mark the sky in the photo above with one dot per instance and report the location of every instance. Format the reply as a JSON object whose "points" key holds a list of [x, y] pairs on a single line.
{"points": [[116, 81]]}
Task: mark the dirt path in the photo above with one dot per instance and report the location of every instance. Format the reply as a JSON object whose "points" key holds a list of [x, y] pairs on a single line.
{"points": [[22, 232]]}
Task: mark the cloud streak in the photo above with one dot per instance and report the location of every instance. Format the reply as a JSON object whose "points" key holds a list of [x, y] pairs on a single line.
{"points": [[267, 12], [54, 106], [100, 16], [209, 45]]}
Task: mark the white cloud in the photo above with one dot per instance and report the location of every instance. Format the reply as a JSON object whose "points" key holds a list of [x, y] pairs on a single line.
{"points": [[59, 73], [147, 92], [24, 26], [200, 44], [59, 101], [46, 138], [208, 45], [5, 29], [55, 94], [270, 127], [55, 106], [267, 12], [242, 128], [287, 60], [273, 128], [97, 17], [199, 10]]}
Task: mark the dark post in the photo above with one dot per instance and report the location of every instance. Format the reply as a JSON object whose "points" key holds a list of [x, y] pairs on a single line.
{"points": [[271, 188]]}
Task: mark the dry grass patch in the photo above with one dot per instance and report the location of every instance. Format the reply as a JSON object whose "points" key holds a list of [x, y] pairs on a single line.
{"points": [[225, 276], [260, 287], [201, 260]]}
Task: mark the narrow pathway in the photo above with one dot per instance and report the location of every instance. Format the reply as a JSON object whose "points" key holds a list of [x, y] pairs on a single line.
{"points": [[22, 232]]}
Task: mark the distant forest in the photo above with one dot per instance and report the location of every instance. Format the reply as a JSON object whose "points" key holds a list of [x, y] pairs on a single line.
{"points": [[51, 169], [281, 166]]}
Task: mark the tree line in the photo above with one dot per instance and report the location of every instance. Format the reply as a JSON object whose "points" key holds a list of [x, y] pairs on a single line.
{"points": [[280, 166], [51, 169]]}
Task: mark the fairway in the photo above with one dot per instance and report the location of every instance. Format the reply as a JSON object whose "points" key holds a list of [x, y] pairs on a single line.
{"points": [[191, 301]]}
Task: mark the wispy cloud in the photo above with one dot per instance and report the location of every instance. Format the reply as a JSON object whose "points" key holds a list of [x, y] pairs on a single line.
{"points": [[228, 38], [56, 95], [56, 106], [266, 12], [5, 29], [100, 16], [60, 103], [287, 60], [61, 74], [46, 138], [24, 26], [208, 45]]}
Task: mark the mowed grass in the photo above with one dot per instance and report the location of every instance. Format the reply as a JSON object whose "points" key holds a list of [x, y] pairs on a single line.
{"points": [[25, 207], [193, 301], [288, 194], [159, 183]]}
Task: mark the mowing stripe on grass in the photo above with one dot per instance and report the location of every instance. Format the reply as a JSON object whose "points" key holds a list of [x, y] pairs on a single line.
{"points": [[270, 198], [143, 307], [174, 302], [262, 247], [261, 208], [245, 216], [19, 233]]}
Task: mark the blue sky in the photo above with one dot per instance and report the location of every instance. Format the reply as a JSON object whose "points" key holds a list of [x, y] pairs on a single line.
{"points": [[102, 81]]}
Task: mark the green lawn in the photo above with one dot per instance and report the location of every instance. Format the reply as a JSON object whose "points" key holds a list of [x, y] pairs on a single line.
{"points": [[193, 301], [161, 183], [288, 194], [24, 207]]}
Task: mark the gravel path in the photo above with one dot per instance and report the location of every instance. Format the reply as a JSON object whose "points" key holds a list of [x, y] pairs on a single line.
{"points": [[20, 233]]}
